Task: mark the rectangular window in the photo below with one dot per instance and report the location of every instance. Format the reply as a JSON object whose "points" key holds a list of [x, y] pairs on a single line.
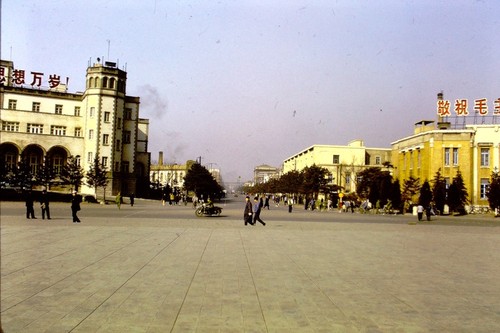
{"points": [[12, 104], [105, 139], [125, 167], [455, 156], [91, 134], [77, 111], [35, 107], [57, 164], [58, 130], [78, 131], [118, 145], [447, 156], [485, 157], [90, 157], [419, 158], [336, 159], [378, 160], [119, 123], [35, 128], [127, 114], [485, 185], [126, 137], [107, 116], [58, 109], [92, 111], [117, 166], [10, 161], [78, 161], [10, 126], [105, 161]]}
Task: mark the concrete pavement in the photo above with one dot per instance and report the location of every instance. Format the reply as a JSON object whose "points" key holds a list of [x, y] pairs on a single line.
{"points": [[150, 268]]}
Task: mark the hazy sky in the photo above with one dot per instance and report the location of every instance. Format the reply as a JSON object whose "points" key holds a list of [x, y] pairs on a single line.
{"points": [[250, 82]]}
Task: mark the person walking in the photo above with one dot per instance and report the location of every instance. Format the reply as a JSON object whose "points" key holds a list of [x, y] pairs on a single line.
{"points": [[75, 206], [290, 205], [256, 210], [118, 200], [30, 212], [44, 204], [420, 212], [247, 213], [266, 202], [132, 197]]}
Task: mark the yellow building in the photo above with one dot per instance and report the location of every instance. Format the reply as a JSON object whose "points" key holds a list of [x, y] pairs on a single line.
{"points": [[473, 149], [342, 162]]}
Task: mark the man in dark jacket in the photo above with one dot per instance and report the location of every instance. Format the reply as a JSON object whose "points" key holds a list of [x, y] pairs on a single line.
{"points": [[247, 214], [44, 204], [75, 206]]}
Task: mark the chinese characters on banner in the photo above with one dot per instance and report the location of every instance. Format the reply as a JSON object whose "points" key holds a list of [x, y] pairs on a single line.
{"points": [[35, 78], [461, 107]]}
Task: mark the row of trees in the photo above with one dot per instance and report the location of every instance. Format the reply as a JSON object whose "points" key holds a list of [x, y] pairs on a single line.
{"points": [[310, 182], [378, 186], [24, 177]]}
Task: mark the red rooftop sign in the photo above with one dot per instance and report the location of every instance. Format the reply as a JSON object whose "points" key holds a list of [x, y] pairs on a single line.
{"points": [[461, 107], [35, 79]]}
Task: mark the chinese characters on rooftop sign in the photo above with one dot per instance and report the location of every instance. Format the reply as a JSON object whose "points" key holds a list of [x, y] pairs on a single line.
{"points": [[34, 79], [461, 107]]}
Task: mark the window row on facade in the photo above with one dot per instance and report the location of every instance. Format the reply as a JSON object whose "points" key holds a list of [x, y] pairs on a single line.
{"points": [[105, 82], [451, 158]]}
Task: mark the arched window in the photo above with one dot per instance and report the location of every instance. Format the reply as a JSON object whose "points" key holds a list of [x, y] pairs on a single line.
{"points": [[112, 83], [96, 82], [91, 82], [104, 82]]}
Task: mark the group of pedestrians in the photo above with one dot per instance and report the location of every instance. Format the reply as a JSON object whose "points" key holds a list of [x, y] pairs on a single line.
{"points": [[44, 205], [251, 214]]}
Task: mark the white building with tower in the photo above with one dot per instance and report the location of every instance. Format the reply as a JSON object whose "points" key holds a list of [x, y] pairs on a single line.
{"points": [[44, 123]]}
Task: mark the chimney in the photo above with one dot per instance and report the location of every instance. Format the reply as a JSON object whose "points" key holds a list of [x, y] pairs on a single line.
{"points": [[160, 158], [442, 125]]}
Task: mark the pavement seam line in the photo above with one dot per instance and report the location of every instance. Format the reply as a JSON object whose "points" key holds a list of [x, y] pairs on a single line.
{"points": [[253, 281], [127, 280], [191, 282]]}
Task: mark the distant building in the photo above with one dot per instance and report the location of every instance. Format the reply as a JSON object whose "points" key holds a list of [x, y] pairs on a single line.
{"points": [[42, 122], [342, 162], [263, 173], [168, 174]]}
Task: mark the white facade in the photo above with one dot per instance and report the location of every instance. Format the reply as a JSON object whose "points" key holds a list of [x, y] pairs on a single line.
{"points": [[343, 162], [42, 124]]}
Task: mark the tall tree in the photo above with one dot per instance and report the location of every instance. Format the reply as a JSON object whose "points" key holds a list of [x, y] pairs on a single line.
{"points": [[290, 182], [425, 197], [396, 195], [97, 176], [457, 194], [199, 180], [72, 173], [314, 179], [374, 184], [411, 186], [439, 191], [46, 173], [493, 193]]}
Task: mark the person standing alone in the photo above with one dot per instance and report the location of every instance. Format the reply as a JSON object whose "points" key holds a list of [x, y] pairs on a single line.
{"points": [[44, 204], [247, 213], [75, 206], [256, 210]]}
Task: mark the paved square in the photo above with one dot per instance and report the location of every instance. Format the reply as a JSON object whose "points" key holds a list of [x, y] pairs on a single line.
{"points": [[150, 268]]}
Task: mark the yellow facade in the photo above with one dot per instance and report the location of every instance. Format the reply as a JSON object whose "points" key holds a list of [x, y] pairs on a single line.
{"points": [[473, 150]]}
